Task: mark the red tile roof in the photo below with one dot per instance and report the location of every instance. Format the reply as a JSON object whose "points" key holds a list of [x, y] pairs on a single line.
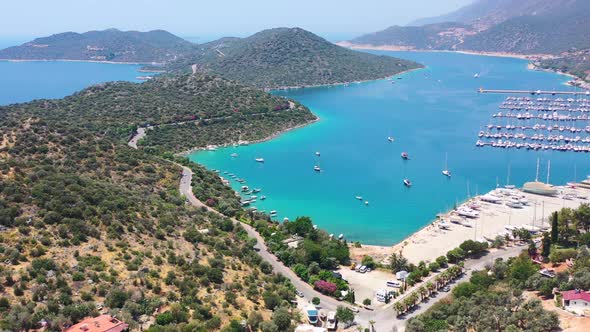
{"points": [[576, 295], [102, 323]]}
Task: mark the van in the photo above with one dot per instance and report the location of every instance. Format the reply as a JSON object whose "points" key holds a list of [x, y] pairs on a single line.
{"points": [[363, 269], [394, 283]]}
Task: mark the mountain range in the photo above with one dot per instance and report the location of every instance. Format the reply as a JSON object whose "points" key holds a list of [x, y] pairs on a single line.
{"points": [[106, 45], [524, 27]]}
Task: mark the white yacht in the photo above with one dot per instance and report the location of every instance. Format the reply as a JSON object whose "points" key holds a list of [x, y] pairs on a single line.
{"points": [[259, 160]]}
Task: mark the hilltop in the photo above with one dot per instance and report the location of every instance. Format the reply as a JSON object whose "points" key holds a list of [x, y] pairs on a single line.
{"points": [[288, 57], [524, 27], [106, 45], [91, 225]]}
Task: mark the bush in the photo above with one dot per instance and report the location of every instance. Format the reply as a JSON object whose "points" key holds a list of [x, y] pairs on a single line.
{"points": [[325, 287], [465, 289], [368, 262], [315, 300]]}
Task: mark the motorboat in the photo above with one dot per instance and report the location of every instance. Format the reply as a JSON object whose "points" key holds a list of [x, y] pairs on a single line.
{"points": [[490, 198], [405, 156], [317, 153], [259, 160], [446, 173], [262, 198], [391, 139], [360, 198], [245, 188], [407, 183], [466, 212], [233, 155], [317, 168], [366, 202]]}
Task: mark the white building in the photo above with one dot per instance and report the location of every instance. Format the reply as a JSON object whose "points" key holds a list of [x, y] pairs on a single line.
{"points": [[576, 300]]}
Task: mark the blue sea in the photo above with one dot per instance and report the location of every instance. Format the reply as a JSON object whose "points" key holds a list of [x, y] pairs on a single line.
{"points": [[430, 112], [25, 81]]}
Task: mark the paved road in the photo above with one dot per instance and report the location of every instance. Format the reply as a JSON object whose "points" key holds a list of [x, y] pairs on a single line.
{"points": [[384, 317]]}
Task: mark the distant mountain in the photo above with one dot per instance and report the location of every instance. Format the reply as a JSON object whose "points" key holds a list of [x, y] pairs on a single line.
{"points": [[438, 36], [286, 57], [491, 12], [523, 26], [107, 45]]}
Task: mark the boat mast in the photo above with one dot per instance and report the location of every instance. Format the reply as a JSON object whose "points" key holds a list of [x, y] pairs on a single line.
{"points": [[446, 161], [537, 176], [508, 176], [548, 170]]}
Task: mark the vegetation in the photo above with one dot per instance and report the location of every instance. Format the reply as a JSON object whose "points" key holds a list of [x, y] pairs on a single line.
{"points": [[313, 258], [90, 225], [213, 110], [490, 300], [286, 57], [576, 63], [106, 45]]}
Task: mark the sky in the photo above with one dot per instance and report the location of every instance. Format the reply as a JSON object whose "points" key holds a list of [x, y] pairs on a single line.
{"points": [[207, 19]]}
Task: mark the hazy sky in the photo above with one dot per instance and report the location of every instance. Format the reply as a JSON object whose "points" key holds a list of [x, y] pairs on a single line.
{"points": [[198, 18]]}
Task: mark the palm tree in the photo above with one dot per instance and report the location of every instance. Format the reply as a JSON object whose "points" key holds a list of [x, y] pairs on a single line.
{"points": [[372, 323], [422, 290], [430, 286], [437, 281], [399, 307]]}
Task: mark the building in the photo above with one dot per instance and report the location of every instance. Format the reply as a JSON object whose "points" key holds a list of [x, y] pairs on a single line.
{"points": [[576, 300], [102, 323], [309, 328], [401, 275]]}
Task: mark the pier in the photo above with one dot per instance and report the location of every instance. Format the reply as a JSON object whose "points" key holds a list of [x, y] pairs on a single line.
{"points": [[535, 92]]}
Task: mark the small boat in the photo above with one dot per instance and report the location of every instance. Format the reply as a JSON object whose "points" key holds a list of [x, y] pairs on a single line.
{"points": [[244, 188], [256, 190], [443, 225], [259, 160], [360, 198], [340, 237], [446, 171], [476, 75], [262, 198], [391, 139], [366, 202], [233, 155], [405, 156], [317, 168], [317, 153], [273, 212], [407, 183]]}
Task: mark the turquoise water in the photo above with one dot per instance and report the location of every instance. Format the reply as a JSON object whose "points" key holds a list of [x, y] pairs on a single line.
{"points": [[25, 81], [429, 112]]}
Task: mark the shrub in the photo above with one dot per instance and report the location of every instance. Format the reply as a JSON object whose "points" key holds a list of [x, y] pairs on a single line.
{"points": [[325, 287]]}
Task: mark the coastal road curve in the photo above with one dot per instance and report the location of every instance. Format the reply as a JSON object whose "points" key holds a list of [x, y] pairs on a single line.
{"points": [[384, 317]]}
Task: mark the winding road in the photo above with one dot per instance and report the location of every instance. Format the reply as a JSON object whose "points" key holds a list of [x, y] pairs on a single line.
{"points": [[384, 317]]}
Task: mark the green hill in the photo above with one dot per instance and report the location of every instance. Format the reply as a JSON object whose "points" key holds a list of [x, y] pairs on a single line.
{"points": [[212, 110], [90, 225], [107, 45], [286, 57]]}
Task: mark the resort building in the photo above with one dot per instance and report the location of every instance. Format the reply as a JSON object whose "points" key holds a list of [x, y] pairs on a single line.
{"points": [[576, 300], [102, 323]]}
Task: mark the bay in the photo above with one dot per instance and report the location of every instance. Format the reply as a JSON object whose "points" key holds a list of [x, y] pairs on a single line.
{"points": [[25, 81], [430, 112]]}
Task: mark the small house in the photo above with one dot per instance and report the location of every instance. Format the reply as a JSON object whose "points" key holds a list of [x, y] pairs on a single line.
{"points": [[401, 275], [102, 323], [576, 300]]}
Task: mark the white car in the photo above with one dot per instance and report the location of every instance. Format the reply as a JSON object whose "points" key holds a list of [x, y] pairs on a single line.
{"points": [[394, 283], [299, 293], [363, 269]]}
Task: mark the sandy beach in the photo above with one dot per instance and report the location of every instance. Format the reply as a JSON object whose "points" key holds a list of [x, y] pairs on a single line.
{"points": [[432, 241]]}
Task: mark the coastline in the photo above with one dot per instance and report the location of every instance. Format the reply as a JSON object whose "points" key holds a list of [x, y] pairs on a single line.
{"points": [[412, 49], [431, 241], [91, 61], [340, 83], [268, 138]]}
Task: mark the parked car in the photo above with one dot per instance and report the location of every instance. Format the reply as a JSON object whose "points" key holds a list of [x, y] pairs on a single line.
{"points": [[394, 283], [446, 289], [354, 309], [299, 293], [363, 269]]}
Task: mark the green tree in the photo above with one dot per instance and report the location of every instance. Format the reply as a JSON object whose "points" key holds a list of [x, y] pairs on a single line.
{"points": [[344, 315], [554, 227], [282, 319]]}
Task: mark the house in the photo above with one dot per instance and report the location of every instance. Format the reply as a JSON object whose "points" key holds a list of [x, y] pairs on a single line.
{"points": [[576, 300], [102, 323]]}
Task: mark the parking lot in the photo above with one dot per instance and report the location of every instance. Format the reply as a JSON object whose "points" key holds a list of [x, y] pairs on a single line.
{"points": [[365, 285]]}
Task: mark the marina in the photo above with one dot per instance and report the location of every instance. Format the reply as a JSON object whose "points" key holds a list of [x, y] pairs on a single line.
{"points": [[435, 114], [558, 124]]}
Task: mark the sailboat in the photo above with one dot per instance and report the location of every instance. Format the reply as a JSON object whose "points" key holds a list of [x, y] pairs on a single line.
{"points": [[540, 188], [391, 139], [446, 171], [508, 185], [317, 166]]}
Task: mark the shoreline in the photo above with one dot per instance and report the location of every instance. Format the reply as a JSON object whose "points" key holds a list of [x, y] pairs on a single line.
{"points": [[340, 83], [412, 49], [431, 241], [268, 138], [90, 61]]}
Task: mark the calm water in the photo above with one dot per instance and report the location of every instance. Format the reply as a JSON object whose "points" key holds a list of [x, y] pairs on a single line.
{"points": [[429, 112], [25, 81]]}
